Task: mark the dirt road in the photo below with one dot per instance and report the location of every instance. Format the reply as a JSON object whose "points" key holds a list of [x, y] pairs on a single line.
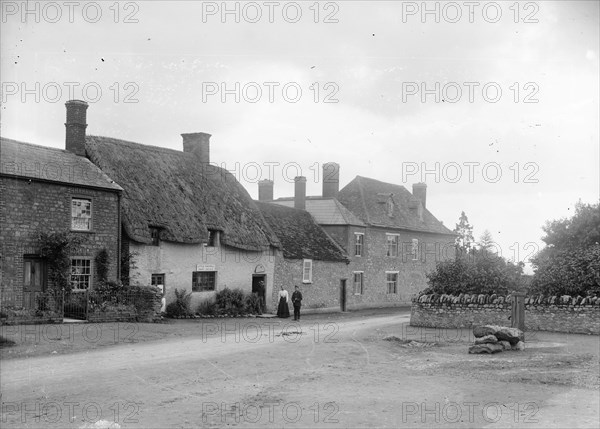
{"points": [[319, 373]]}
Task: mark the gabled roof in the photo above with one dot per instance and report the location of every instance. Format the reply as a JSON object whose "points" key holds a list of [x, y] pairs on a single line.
{"points": [[300, 236], [173, 191], [326, 211], [367, 199], [26, 160]]}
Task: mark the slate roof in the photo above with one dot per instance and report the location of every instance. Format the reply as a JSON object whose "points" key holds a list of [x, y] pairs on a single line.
{"points": [[299, 234], [367, 199], [26, 160], [173, 191], [326, 211]]}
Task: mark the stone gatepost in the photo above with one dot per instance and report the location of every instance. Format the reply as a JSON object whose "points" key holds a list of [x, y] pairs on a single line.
{"points": [[518, 311]]}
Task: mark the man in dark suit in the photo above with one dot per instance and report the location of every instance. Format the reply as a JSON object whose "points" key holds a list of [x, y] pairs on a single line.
{"points": [[297, 301]]}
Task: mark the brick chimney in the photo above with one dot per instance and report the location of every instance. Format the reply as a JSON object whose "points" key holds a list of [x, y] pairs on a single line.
{"points": [[331, 180], [300, 192], [265, 190], [420, 192], [75, 126], [199, 144]]}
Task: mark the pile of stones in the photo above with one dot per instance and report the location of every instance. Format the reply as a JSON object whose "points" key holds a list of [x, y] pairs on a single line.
{"points": [[493, 339]]}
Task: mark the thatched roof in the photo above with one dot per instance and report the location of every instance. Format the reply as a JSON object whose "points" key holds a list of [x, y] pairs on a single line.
{"points": [[367, 199], [30, 161], [300, 236], [173, 191]]}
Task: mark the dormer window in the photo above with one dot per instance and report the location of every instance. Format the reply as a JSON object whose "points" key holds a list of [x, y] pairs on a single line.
{"points": [[212, 238], [155, 235], [390, 206]]}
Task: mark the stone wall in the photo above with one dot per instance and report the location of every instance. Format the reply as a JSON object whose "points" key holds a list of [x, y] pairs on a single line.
{"points": [[557, 314], [130, 312], [412, 273], [29, 207], [322, 294]]}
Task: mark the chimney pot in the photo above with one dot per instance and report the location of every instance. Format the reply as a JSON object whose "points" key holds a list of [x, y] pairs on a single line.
{"points": [[331, 180], [199, 144], [265, 190], [420, 192], [75, 126], [300, 192]]}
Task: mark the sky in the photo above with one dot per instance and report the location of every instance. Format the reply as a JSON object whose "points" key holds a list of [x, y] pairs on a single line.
{"points": [[495, 105]]}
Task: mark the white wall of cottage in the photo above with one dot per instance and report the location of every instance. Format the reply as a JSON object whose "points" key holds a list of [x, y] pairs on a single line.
{"points": [[235, 268]]}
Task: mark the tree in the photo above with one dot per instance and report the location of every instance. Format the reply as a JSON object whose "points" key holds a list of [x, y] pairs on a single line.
{"points": [[482, 272], [464, 230], [486, 242], [580, 231], [570, 263]]}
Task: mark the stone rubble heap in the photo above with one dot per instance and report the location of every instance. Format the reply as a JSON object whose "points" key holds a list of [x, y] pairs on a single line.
{"points": [[493, 339]]}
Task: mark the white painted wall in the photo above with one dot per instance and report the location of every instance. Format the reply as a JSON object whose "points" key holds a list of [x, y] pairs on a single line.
{"points": [[177, 261]]}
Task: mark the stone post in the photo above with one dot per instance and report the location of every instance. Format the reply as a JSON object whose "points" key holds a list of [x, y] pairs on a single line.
{"points": [[518, 311]]}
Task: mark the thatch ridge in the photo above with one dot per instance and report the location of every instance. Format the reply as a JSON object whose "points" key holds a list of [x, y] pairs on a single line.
{"points": [[172, 190]]}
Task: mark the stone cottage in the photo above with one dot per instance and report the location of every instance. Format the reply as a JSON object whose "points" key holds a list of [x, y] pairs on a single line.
{"points": [[391, 238], [309, 259], [50, 190], [188, 224]]}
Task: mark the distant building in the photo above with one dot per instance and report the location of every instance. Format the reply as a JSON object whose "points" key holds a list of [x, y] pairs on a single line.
{"points": [[190, 224], [310, 259], [391, 238], [51, 190]]}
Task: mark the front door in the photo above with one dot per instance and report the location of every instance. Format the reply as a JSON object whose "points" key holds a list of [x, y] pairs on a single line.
{"points": [[260, 289], [343, 294], [34, 280]]}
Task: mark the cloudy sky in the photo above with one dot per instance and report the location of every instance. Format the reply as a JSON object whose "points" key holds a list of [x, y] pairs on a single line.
{"points": [[499, 118]]}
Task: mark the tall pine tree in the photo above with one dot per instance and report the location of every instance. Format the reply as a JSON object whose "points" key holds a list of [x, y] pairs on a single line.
{"points": [[464, 240]]}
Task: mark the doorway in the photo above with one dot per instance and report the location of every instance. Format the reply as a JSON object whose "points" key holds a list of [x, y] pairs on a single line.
{"points": [[343, 294], [260, 289], [34, 280]]}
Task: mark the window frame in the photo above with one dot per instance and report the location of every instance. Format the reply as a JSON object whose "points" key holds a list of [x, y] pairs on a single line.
{"points": [[213, 238], [89, 275], [362, 282], [306, 280], [155, 235], [359, 244], [394, 282], [415, 249], [153, 283], [91, 218], [194, 282], [396, 238]]}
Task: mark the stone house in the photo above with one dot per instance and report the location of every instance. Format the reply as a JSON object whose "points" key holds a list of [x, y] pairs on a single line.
{"points": [[309, 259], [188, 224], [51, 190], [391, 238]]}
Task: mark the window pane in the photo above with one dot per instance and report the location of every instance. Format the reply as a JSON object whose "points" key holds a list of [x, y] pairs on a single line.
{"points": [[81, 214], [27, 273], [203, 281], [81, 274]]}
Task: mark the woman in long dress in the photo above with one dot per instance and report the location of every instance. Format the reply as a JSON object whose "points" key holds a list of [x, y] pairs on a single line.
{"points": [[282, 309]]}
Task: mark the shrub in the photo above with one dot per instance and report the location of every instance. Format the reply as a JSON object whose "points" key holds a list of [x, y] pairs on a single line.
{"points": [[181, 306], [569, 272], [231, 301], [207, 308], [478, 272], [5, 342], [253, 304], [56, 248], [102, 261]]}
